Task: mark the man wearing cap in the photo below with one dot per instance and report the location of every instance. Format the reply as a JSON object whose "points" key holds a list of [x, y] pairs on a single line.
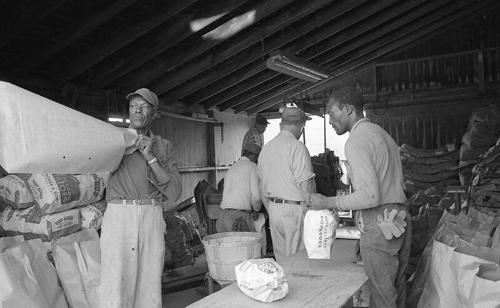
{"points": [[241, 195], [256, 134], [374, 167], [286, 175], [132, 238]]}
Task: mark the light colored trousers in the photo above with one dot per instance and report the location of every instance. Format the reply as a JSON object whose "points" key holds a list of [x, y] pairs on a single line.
{"points": [[132, 255], [286, 222]]}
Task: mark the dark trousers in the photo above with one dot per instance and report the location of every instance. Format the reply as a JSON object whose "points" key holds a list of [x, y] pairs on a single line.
{"points": [[385, 261]]}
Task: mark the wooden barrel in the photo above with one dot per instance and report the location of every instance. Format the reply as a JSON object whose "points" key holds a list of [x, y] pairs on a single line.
{"points": [[226, 250]]}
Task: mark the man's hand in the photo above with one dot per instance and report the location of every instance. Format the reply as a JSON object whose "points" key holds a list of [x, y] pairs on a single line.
{"points": [[317, 202], [145, 146]]}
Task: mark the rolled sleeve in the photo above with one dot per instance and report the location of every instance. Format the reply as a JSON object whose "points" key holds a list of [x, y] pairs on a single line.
{"points": [[301, 164]]}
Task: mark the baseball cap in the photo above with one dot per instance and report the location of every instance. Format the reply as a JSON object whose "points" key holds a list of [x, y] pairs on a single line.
{"points": [[261, 120], [293, 115], [147, 94]]}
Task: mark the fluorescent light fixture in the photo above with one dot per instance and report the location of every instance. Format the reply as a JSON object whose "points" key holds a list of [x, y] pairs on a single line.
{"points": [[296, 67], [115, 119]]}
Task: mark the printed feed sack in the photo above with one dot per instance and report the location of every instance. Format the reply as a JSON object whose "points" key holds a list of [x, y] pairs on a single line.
{"points": [[33, 224], [92, 214], [319, 233], [261, 279], [15, 191], [60, 192]]}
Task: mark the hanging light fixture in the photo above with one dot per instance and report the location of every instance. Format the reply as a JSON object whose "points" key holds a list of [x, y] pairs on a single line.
{"points": [[296, 67]]}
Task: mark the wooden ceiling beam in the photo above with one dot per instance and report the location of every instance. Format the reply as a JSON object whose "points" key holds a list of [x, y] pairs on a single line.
{"points": [[156, 43], [84, 27], [333, 20], [258, 38], [231, 72], [164, 10], [171, 60], [342, 39], [418, 30]]}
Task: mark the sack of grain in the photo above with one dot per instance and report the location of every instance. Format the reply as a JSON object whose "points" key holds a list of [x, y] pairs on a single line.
{"points": [[33, 224], [92, 214], [15, 191], [261, 279], [60, 192], [319, 233]]}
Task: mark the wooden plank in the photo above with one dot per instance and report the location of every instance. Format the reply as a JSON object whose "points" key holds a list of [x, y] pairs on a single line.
{"points": [[84, 27], [239, 44], [312, 283], [421, 29], [170, 60], [164, 10], [313, 30], [340, 39], [156, 43]]}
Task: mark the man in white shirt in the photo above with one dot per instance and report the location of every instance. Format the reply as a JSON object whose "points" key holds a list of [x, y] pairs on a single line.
{"points": [[241, 194], [286, 175], [376, 175]]}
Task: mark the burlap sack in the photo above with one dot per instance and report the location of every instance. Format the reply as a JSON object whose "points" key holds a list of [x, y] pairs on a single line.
{"points": [[60, 192]]}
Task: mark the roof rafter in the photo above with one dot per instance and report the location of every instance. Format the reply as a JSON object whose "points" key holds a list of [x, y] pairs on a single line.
{"points": [[418, 30], [164, 11], [153, 45], [169, 61], [240, 44], [339, 39]]}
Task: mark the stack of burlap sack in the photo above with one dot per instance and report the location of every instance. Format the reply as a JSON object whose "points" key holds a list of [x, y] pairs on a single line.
{"points": [[49, 206], [482, 132], [423, 168], [485, 188], [51, 218]]}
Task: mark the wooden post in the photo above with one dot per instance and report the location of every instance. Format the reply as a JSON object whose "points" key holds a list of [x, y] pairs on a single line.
{"points": [[212, 175]]}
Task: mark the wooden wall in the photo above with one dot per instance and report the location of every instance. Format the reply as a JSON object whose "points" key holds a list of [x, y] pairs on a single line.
{"points": [[428, 125], [190, 145]]}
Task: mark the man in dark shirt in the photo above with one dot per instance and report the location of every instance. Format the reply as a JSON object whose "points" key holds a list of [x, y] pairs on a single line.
{"points": [[132, 238]]}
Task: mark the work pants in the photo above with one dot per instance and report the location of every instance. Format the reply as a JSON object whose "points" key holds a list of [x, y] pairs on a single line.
{"points": [[286, 222], [385, 261], [132, 255]]}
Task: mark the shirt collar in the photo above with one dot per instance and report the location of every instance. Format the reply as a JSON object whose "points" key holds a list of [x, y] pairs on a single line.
{"points": [[285, 132], [359, 122]]}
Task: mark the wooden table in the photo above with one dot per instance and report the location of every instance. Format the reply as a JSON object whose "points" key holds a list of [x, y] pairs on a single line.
{"points": [[312, 283]]}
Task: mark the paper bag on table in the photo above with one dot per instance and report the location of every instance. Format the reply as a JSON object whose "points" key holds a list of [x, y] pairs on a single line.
{"points": [[319, 233], [261, 279]]}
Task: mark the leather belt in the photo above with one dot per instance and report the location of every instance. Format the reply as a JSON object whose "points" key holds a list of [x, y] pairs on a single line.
{"points": [[230, 209], [278, 200], [135, 202]]}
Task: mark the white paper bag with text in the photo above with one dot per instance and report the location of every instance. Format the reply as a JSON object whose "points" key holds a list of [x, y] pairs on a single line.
{"points": [[319, 233]]}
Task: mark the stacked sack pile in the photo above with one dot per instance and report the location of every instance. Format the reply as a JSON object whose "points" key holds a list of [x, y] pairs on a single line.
{"points": [[482, 132], [485, 188], [51, 218], [48, 206], [423, 168]]}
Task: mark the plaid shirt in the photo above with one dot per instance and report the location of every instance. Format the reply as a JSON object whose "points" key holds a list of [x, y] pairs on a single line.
{"points": [[253, 137]]}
